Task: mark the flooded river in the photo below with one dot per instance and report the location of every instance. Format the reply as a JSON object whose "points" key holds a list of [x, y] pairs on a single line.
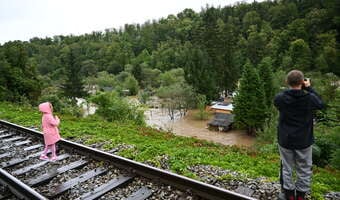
{"points": [[189, 127], [184, 126]]}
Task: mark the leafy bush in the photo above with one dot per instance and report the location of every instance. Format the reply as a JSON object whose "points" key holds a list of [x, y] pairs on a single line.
{"points": [[201, 102], [61, 104], [327, 140], [131, 84], [269, 132], [144, 96], [335, 159], [115, 108], [327, 85]]}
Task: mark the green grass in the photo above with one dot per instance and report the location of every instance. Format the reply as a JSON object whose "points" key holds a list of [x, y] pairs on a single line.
{"points": [[182, 151]]}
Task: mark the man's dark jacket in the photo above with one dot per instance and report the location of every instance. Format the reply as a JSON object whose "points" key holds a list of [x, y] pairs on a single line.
{"points": [[295, 129]]}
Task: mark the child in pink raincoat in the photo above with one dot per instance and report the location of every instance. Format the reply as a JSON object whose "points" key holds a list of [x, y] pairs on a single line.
{"points": [[50, 129]]}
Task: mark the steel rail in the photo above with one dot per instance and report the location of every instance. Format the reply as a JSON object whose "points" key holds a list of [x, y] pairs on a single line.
{"points": [[19, 188], [181, 182]]}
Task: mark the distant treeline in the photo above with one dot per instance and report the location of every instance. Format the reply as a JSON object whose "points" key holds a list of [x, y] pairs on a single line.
{"points": [[211, 47]]}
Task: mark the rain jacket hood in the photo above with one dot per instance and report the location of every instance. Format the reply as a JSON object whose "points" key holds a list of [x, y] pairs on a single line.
{"points": [[295, 96], [45, 108]]}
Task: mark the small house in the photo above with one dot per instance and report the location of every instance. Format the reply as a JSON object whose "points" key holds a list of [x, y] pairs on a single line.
{"points": [[223, 118]]}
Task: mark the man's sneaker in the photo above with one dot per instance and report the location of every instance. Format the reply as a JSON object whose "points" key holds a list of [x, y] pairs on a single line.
{"points": [[300, 195], [43, 157], [54, 158], [290, 194]]}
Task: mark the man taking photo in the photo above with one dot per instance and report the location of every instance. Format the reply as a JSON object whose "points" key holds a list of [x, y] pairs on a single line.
{"points": [[296, 106]]}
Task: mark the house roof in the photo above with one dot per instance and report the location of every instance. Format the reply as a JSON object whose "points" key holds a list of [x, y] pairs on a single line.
{"points": [[223, 106]]}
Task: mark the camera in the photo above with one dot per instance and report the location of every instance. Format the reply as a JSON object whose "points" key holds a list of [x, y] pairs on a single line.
{"points": [[304, 83]]}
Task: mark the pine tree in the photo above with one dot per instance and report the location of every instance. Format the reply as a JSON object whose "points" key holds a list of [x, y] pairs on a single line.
{"points": [[74, 85], [250, 109], [266, 76], [197, 71], [300, 54]]}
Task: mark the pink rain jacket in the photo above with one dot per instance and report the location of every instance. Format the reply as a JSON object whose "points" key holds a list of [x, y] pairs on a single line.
{"points": [[49, 124]]}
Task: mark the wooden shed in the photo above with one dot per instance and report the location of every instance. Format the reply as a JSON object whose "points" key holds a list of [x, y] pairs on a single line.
{"points": [[222, 122]]}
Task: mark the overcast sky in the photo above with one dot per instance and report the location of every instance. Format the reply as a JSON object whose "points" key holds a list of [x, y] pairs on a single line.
{"points": [[24, 19]]}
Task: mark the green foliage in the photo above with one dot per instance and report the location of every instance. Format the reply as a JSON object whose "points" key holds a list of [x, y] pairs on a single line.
{"points": [[321, 62], [215, 38], [269, 132], [143, 96], [179, 96], [211, 46], [114, 108], [197, 71], [167, 56], [301, 55], [103, 80], [316, 151], [201, 103], [19, 79], [327, 140], [282, 14], [131, 84], [335, 159], [150, 78], [60, 104], [250, 110], [172, 77], [256, 44], [327, 85], [175, 93], [137, 72], [251, 18], [88, 68], [74, 85], [266, 76]]}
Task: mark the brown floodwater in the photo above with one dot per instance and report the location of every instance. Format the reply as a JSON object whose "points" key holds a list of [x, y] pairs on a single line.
{"points": [[190, 127]]}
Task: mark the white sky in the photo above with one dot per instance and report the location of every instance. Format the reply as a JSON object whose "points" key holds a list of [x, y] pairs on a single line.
{"points": [[24, 19]]}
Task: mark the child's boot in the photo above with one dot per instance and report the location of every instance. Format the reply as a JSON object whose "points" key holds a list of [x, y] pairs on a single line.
{"points": [[54, 158], [43, 157]]}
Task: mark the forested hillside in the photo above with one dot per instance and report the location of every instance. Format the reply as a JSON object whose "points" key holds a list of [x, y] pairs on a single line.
{"points": [[210, 46], [186, 60]]}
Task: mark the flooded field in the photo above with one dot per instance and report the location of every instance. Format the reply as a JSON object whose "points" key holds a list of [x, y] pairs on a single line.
{"points": [[189, 127], [185, 126]]}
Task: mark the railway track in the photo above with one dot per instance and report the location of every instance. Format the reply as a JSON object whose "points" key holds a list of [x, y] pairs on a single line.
{"points": [[82, 172]]}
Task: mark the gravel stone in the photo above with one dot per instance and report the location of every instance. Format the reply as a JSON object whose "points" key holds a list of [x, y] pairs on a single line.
{"points": [[259, 188]]}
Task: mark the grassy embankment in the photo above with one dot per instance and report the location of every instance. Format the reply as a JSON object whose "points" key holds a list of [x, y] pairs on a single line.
{"points": [[150, 144]]}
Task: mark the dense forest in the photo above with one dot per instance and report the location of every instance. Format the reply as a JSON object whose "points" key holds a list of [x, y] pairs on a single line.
{"points": [[211, 47]]}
